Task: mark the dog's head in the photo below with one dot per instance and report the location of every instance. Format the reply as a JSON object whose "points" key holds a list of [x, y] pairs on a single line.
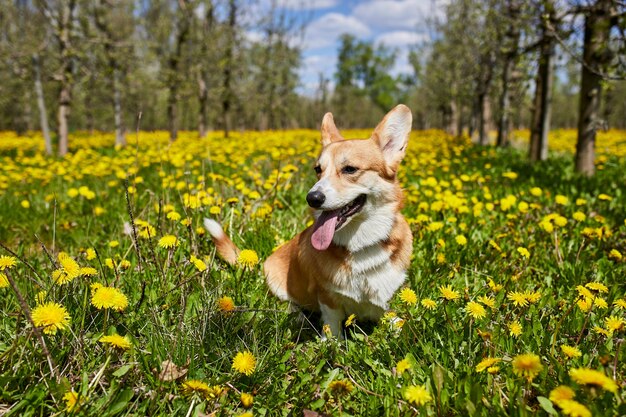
{"points": [[357, 187]]}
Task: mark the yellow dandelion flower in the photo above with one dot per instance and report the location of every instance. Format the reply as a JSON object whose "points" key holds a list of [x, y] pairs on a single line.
{"points": [[215, 391], [429, 304], [584, 304], [246, 414], [172, 215], [515, 328], [597, 286], [532, 296], [561, 393], [573, 409], [51, 316], [488, 301], [579, 216], [475, 310], [621, 303], [561, 200], [226, 304], [600, 303], [605, 197], [198, 263], [614, 324], [194, 386], [493, 286], [448, 293], [114, 244], [341, 387], [486, 363], [600, 330], [494, 245], [7, 262], [116, 341], [536, 191], [408, 296], [417, 395], [88, 271], [527, 365], [461, 240], [108, 297], [246, 399], [402, 366], [73, 401], [4, 281], [90, 254], [350, 320], [244, 362], [586, 376], [615, 255], [571, 351], [168, 242], [523, 252], [248, 258], [519, 299]]}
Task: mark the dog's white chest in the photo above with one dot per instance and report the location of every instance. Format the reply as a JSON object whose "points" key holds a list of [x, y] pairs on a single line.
{"points": [[367, 289]]}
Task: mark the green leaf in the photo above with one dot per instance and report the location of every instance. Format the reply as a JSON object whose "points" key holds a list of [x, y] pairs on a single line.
{"points": [[546, 404], [122, 370]]}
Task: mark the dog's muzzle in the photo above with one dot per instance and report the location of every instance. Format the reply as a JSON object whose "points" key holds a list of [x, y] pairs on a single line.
{"points": [[315, 199]]}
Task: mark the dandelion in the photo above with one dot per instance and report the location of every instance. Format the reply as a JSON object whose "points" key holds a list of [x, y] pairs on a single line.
{"points": [[248, 258], [116, 341], [246, 399], [605, 197], [486, 363], [579, 216], [561, 393], [621, 303], [461, 240], [527, 365], [402, 366], [114, 244], [225, 304], [536, 191], [408, 296], [244, 362], [571, 351], [448, 293], [417, 395], [429, 304], [561, 200], [614, 324], [51, 316], [341, 387], [523, 252], [350, 320], [476, 310], [108, 297], [246, 414], [4, 280], [7, 262], [615, 255], [519, 299], [73, 401], [90, 254], [573, 408], [168, 242], [515, 329], [597, 286], [194, 386], [585, 376], [493, 286], [198, 263]]}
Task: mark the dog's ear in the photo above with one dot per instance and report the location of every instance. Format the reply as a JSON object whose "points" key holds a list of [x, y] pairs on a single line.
{"points": [[329, 130], [392, 134]]}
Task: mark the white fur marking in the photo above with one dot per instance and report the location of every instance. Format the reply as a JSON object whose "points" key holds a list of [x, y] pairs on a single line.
{"points": [[213, 228], [334, 319]]}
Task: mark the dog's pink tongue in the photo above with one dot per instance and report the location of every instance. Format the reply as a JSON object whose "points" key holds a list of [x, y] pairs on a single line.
{"points": [[324, 229]]}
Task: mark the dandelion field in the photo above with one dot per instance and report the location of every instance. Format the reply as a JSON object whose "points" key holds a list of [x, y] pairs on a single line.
{"points": [[113, 302]]}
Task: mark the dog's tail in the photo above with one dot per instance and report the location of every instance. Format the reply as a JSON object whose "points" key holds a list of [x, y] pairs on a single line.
{"points": [[225, 247]]}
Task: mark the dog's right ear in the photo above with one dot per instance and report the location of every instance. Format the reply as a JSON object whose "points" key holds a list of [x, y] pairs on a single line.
{"points": [[329, 130]]}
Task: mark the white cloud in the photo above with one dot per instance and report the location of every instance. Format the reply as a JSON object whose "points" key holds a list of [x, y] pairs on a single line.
{"points": [[312, 67], [395, 14], [325, 31], [400, 38], [307, 4]]}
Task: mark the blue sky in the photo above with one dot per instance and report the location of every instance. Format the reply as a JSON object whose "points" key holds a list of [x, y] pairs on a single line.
{"points": [[395, 23]]}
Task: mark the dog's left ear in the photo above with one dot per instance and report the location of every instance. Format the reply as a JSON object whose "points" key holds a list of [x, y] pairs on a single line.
{"points": [[330, 133], [392, 134]]}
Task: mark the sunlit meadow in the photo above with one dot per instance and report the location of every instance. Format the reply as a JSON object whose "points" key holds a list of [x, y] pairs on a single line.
{"points": [[113, 302]]}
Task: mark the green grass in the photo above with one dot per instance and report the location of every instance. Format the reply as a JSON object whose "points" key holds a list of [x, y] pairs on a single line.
{"points": [[173, 314]]}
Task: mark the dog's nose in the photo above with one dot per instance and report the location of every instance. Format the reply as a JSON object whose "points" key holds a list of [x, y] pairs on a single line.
{"points": [[315, 199]]}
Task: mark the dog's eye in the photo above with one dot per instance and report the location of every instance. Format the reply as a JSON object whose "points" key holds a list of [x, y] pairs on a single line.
{"points": [[348, 169], [318, 169]]}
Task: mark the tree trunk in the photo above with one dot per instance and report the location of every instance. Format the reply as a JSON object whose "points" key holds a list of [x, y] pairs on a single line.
{"points": [[172, 113], [540, 124], [203, 98], [41, 103], [120, 137], [483, 137], [227, 94], [510, 60], [65, 91], [595, 50]]}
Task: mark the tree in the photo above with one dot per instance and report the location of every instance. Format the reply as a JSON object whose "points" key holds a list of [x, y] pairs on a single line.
{"points": [[600, 17]]}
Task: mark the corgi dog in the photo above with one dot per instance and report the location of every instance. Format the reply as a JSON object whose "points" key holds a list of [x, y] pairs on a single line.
{"points": [[355, 256]]}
